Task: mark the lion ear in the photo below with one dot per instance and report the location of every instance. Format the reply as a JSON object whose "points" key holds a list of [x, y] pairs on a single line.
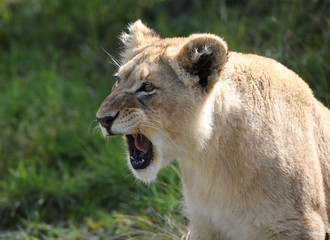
{"points": [[138, 34], [203, 55]]}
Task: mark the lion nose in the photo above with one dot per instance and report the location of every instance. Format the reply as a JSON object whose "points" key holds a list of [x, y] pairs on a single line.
{"points": [[107, 121]]}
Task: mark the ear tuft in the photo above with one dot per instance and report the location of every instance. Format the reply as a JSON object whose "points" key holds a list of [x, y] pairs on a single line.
{"points": [[203, 55], [138, 34]]}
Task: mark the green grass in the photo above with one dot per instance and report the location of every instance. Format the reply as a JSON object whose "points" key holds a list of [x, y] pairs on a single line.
{"points": [[59, 179]]}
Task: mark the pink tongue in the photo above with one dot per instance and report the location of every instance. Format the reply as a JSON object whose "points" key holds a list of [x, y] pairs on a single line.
{"points": [[142, 143]]}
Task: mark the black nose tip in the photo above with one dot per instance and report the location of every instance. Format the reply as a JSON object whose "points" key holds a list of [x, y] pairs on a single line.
{"points": [[107, 121]]}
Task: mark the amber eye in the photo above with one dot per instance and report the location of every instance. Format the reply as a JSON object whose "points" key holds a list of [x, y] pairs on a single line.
{"points": [[147, 87]]}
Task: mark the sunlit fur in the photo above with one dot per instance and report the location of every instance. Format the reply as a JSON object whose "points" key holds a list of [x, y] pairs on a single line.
{"points": [[253, 144]]}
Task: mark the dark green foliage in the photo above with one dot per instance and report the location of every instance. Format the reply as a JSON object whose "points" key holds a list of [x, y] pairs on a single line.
{"points": [[58, 176]]}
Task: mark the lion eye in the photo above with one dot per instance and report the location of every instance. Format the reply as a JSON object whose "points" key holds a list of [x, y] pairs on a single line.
{"points": [[147, 87], [117, 80]]}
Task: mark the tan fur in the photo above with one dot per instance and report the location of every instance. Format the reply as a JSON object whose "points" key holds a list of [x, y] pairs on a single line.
{"points": [[253, 143]]}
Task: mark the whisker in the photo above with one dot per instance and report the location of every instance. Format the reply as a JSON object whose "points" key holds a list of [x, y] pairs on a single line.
{"points": [[154, 127], [115, 62], [96, 129], [151, 126], [90, 125], [112, 63], [155, 120]]}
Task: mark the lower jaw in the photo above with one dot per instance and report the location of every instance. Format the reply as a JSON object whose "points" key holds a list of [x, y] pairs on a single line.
{"points": [[146, 175]]}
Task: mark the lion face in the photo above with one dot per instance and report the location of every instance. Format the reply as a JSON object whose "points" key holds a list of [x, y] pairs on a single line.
{"points": [[140, 108], [161, 87]]}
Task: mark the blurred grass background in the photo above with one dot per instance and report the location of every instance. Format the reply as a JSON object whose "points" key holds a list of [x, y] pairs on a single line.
{"points": [[59, 179]]}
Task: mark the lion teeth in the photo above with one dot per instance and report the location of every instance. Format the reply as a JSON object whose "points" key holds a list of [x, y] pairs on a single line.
{"points": [[142, 160]]}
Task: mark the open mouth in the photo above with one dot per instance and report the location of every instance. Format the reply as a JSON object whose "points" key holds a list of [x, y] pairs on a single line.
{"points": [[140, 150]]}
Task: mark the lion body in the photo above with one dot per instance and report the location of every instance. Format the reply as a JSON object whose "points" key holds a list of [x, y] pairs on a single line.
{"points": [[252, 142], [269, 135]]}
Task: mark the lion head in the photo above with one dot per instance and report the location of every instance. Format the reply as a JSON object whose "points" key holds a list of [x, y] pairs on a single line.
{"points": [[159, 100]]}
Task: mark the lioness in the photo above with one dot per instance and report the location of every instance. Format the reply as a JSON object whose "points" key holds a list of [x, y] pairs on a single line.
{"points": [[252, 142]]}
